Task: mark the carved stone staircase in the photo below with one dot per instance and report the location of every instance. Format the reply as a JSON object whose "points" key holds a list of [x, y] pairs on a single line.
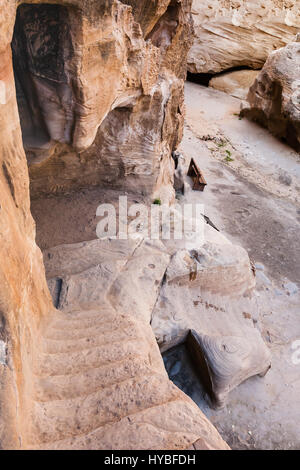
{"points": [[99, 383]]}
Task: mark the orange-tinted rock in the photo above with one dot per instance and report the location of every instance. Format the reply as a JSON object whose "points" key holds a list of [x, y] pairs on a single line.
{"points": [[116, 70], [133, 404]]}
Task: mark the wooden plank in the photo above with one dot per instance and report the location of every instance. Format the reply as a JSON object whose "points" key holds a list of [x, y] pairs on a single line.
{"points": [[198, 178]]}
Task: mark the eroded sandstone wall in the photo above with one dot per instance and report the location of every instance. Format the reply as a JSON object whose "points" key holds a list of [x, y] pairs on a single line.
{"points": [[231, 33], [100, 92], [26, 310], [24, 297]]}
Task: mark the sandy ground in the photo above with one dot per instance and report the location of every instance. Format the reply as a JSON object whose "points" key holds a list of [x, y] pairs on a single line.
{"points": [[72, 218], [254, 200], [248, 198]]}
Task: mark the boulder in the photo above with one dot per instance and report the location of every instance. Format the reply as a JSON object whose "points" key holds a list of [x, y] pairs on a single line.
{"points": [[207, 291], [221, 269], [274, 98], [223, 362]]}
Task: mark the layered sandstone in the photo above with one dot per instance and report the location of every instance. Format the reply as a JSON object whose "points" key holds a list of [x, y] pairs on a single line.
{"points": [[100, 382], [274, 98], [202, 292], [90, 378], [100, 92], [232, 33]]}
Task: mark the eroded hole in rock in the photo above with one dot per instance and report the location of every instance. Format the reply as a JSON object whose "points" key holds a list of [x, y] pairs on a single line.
{"points": [[42, 58], [200, 78], [165, 29], [205, 78], [55, 286], [3, 339], [181, 370]]}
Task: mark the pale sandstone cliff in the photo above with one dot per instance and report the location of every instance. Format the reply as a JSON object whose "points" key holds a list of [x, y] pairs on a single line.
{"points": [[86, 379], [231, 33]]}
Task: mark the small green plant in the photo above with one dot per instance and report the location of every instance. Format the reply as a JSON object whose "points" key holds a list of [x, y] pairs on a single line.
{"points": [[238, 115], [157, 202], [221, 144], [228, 157]]}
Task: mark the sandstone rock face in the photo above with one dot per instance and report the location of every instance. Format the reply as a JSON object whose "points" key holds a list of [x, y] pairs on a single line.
{"points": [[82, 379], [236, 83], [240, 33], [225, 362], [100, 92], [24, 297], [274, 98], [110, 354], [218, 268], [202, 291], [99, 383]]}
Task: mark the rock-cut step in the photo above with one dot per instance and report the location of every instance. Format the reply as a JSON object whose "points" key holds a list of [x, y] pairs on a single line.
{"points": [[77, 361], [99, 383], [59, 419], [61, 387], [55, 346]]}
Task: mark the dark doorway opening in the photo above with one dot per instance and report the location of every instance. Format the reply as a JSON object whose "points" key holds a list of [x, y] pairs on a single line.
{"points": [[42, 58], [204, 78]]}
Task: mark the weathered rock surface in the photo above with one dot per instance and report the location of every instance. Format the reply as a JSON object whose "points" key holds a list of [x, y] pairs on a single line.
{"points": [[236, 83], [99, 87], [274, 98], [233, 34], [141, 282], [100, 92], [24, 297], [100, 384], [109, 356], [225, 362], [129, 273], [260, 413], [87, 379], [217, 268], [201, 291]]}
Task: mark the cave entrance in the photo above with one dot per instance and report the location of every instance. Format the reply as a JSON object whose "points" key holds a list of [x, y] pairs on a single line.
{"points": [[204, 78], [165, 29], [42, 59]]}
